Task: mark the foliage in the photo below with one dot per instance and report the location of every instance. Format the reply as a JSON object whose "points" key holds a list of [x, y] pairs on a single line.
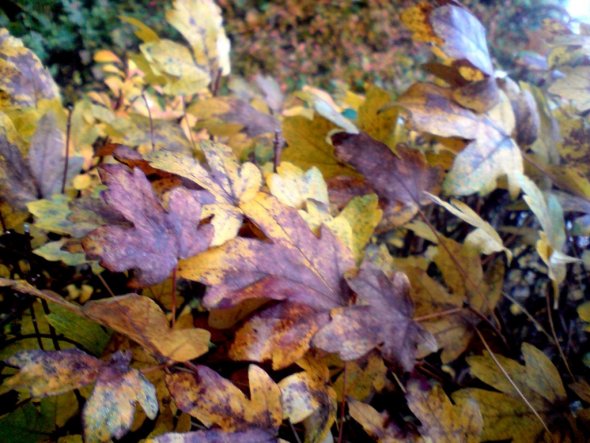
{"points": [[259, 268]]}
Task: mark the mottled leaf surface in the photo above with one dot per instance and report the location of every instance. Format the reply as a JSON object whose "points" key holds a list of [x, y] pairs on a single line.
{"points": [[158, 236]]}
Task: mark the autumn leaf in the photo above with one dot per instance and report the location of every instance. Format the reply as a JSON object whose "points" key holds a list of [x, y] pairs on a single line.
{"points": [[110, 409], [53, 372], [399, 181], [141, 319], [201, 24], [157, 238], [485, 239], [218, 436], [382, 319], [307, 146], [214, 400], [505, 414], [24, 80], [229, 182], [574, 86], [361, 378], [376, 424], [307, 397], [280, 333], [441, 420], [293, 265], [491, 153]]}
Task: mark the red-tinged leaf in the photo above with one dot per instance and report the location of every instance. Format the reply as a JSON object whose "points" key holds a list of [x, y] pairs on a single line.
{"points": [[281, 333], [141, 319], [110, 409], [384, 321], [294, 265], [399, 181], [215, 400], [157, 238], [218, 436], [53, 372]]}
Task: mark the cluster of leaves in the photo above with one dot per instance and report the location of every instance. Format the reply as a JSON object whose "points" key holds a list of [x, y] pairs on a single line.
{"points": [[289, 245]]}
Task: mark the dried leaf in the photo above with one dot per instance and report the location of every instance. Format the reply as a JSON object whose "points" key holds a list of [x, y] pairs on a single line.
{"points": [[141, 319], [24, 80], [215, 400], [52, 372], [400, 197], [201, 24], [574, 86], [295, 265], [375, 424], [441, 420], [491, 153], [383, 319], [218, 436], [229, 182], [505, 414], [158, 237], [110, 409]]}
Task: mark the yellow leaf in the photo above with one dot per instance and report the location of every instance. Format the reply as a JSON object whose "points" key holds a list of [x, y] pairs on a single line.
{"points": [[105, 56], [142, 31], [574, 86], [201, 24]]}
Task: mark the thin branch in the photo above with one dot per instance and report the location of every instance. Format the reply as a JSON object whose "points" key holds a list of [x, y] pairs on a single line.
{"points": [[555, 339], [67, 159], [516, 388], [151, 121]]}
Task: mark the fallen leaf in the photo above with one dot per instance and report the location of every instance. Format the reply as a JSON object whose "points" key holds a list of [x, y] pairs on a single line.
{"points": [[45, 373], [505, 415], [362, 378], [214, 400], [574, 86], [399, 181], [376, 424], [201, 24], [141, 319], [157, 238], [441, 420], [491, 153], [280, 333], [24, 80], [293, 265], [229, 182], [218, 436], [307, 146], [382, 319], [110, 409], [485, 239]]}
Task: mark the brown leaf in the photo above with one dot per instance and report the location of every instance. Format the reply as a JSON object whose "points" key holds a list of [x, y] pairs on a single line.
{"points": [[157, 238], [280, 333], [141, 319], [376, 424], [383, 319], [215, 400], [53, 372], [253, 121], [399, 181], [110, 409], [292, 265], [441, 420], [491, 153]]}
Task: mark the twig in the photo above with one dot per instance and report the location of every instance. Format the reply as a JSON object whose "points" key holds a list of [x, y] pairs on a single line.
{"points": [[67, 159], [151, 121], [516, 388], [342, 404], [173, 321], [555, 339], [276, 148]]}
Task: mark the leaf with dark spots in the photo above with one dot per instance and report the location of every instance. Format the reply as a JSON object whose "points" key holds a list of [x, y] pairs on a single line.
{"points": [[382, 319], [281, 333], [110, 409], [399, 181], [52, 373], [24, 80], [491, 153], [157, 237], [292, 265], [215, 400], [253, 121]]}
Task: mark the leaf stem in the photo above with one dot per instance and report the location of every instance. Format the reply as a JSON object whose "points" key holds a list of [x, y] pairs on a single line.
{"points": [[555, 339], [67, 157], [151, 121]]}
